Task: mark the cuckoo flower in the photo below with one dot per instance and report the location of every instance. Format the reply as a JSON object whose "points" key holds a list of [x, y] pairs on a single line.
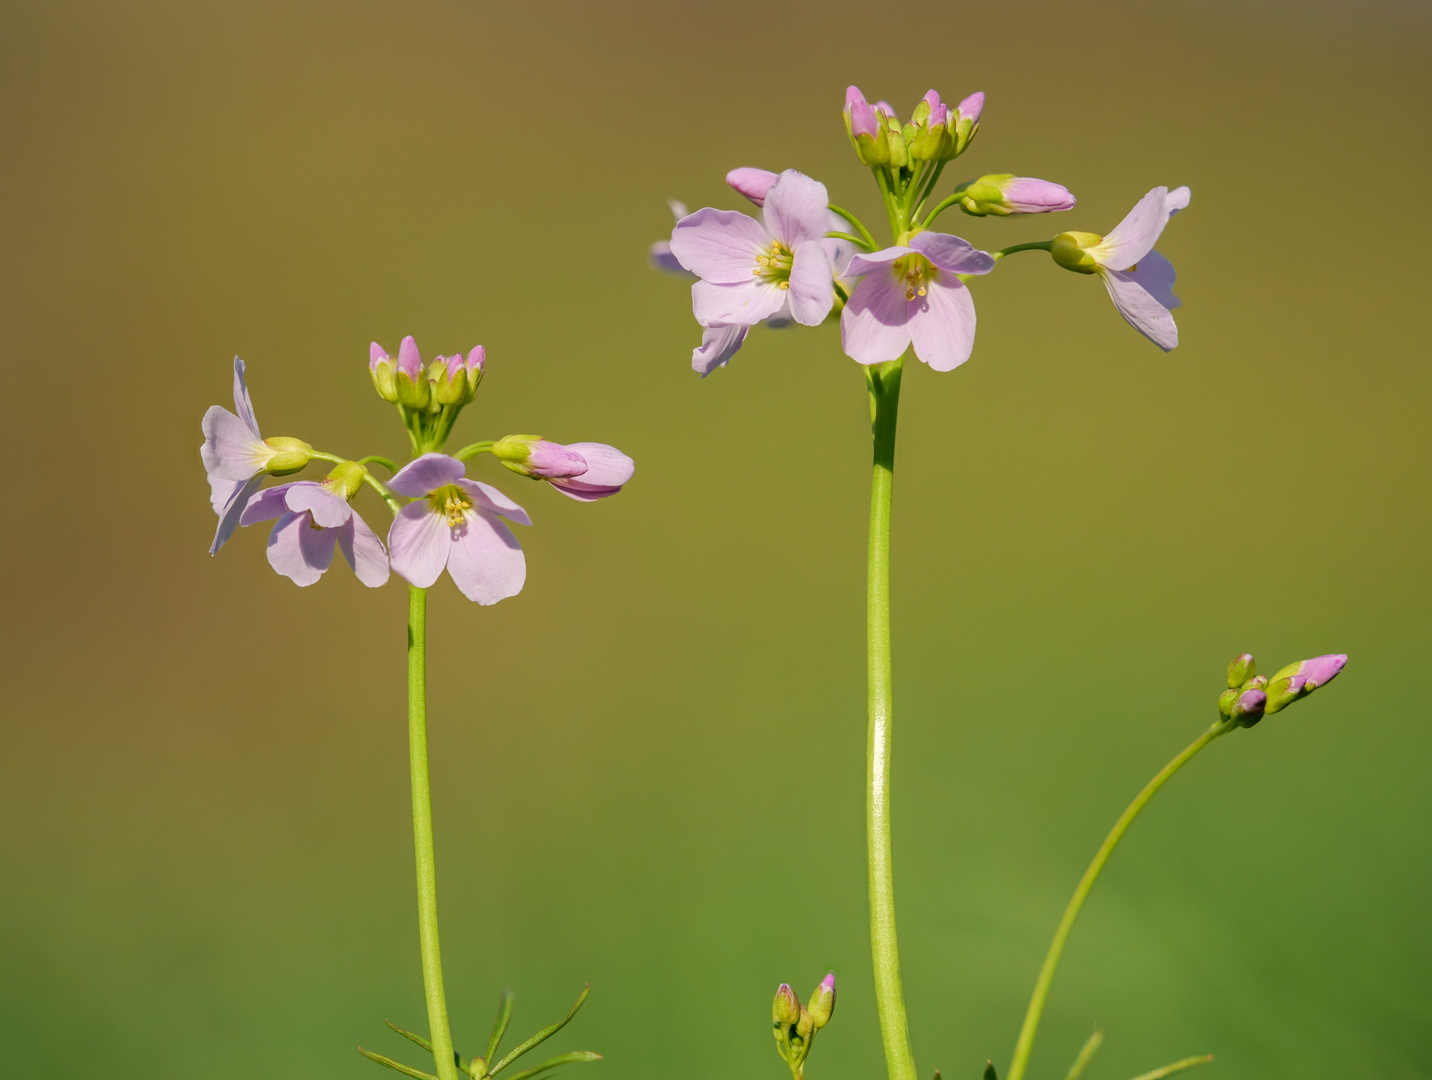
{"points": [[236, 457], [312, 518], [582, 471], [1139, 279], [750, 269], [456, 523], [1004, 194], [913, 295], [1301, 678]]}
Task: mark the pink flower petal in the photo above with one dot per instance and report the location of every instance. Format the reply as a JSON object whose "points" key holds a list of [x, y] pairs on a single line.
{"points": [[606, 465], [874, 327], [942, 328], [1156, 276], [797, 209], [269, 504], [231, 451], [745, 303], [812, 284], [660, 257], [752, 183], [875, 261], [488, 499], [719, 245], [1142, 311], [485, 561], [328, 510], [376, 354], [298, 551], [242, 405], [1135, 236], [953, 254], [364, 552], [233, 507], [1028, 195], [863, 120], [1177, 200], [718, 345], [425, 474], [972, 106], [418, 543]]}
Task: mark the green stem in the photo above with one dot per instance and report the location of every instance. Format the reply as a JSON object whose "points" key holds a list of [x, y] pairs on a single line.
{"points": [[423, 835], [884, 386], [471, 450], [940, 207], [1042, 245], [856, 224], [1025, 1043]]}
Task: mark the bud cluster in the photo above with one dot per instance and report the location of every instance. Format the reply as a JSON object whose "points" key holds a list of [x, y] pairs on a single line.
{"points": [[428, 397], [1251, 696], [935, 132], [795, 1025]]}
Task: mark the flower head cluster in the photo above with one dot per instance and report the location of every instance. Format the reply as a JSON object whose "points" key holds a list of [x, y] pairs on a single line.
{"points": [[451, 522], [795, 1025], [913, 291], [1251, 696]]}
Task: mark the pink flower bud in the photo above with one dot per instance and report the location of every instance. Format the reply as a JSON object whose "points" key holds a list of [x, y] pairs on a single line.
{"points": [[1248, 709], [938, 112], [476, 359], [410, 361], [376, 355], [752, 183], [1319, 671], [971, 107], [1026, 195], [863, 120]]}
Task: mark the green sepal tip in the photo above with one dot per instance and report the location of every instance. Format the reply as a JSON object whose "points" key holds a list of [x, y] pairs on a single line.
{"points": [[1086, 1054], [572, 1057], [499, 1025], [1177, 1066], [989, 1073]]}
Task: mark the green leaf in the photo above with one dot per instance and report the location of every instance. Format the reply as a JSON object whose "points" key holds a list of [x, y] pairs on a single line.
{"points": [[1085, 1055], [499, 1026], [1177, 1066], [381, 1060], [545, 1033], [989, 1071], [410, 1036], [560, 1059]]}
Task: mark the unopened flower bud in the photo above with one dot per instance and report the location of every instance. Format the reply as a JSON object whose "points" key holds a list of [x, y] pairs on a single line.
{"points": [[1241, 670], [449, 380], [805, 1026], [346, 479], [534, 456], [1258, 682], [413, 390], [1248, 708], [1226, 700], [786, 1009], [380, 367], [289, 455], [473, 365], [752, 183], [866, 129], [929, 132], [1069, 251], [822, 1001], [964, 122], [1300, 679], [1004, 194]]}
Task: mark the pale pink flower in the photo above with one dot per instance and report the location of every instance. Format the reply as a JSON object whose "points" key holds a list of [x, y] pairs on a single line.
{"points": [[749, 270], [312, 519], [456, 524], [912, 295]]}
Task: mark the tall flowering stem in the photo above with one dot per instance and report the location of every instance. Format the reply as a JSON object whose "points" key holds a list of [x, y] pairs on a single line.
{"points": [[1025, 1043], [883, 381], [441, 1035]]}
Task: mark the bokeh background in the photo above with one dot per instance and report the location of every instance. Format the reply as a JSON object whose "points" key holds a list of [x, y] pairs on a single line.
{"points": [[648, 767]]}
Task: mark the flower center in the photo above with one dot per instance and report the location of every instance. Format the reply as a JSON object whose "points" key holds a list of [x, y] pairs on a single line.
{"points": [[917, 272], [774, 265], [451, 503]]}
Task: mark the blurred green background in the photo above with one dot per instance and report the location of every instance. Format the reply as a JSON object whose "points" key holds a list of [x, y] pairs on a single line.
{"points": [[648, 766]]}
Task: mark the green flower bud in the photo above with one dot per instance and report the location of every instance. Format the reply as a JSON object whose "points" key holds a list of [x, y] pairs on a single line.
{"points": [[1226, 700], [290, 455], [414, 393], [786, 1009], [1069, 251], [345, 479], [1241, 670], [822, 1001]]}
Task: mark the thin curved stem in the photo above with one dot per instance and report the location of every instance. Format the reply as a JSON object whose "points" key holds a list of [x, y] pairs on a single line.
{"points": [[1025, 1043], [1042, 245], [471, 450], [939, 208], [423, 835], [884, 386], [856, 224]]}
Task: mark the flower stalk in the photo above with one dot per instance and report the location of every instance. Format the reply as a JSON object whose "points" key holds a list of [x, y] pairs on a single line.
{"points": [[1025, 1044], [883, 381], [433, 991]]}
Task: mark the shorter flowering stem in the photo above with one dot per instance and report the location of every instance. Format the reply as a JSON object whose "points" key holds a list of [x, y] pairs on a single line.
{"points": [[1042, 245], [857, 225], [323, 456], [382, 489], [471, 450], [939, 208], [1025, 1043], [387, 463], [929, 188], [858, 241]]}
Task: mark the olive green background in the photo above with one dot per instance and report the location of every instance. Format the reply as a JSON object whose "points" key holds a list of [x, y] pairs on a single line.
{"points": [[648, 766]]}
